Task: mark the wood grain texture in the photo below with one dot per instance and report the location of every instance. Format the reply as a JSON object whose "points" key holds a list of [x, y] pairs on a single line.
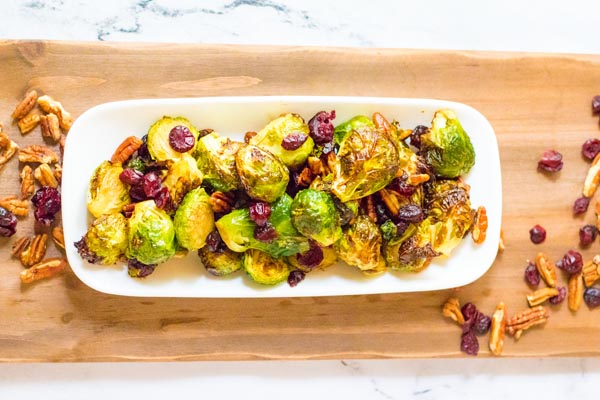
{"points": [[534, 102]]}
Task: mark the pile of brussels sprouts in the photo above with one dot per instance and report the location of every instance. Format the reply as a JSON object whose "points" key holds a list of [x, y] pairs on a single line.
{"points": [[292, 198]]}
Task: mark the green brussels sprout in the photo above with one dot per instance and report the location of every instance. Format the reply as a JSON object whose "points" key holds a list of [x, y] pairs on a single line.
{"points": [[106, 239], [151, 234], [315, 216], [216, 162], [158, 138], [194, 220], [182, 176], [264, 269], [345, 128], [360, 244], [447, 147], [263, 176], [329, 258], [412, 253], [220, 263], [107, 194], [367, 161], [270, 138], [237, 231]]}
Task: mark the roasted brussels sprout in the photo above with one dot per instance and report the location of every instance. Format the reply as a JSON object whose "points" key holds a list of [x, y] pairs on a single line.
{"points": [[264, 269], [273, 137], [329, 258], [220, 263], [158, 138], [151, 234], [194, 220], [360, 244], [216, 162], [182, 176], [447, 147], [263, 176], [315, 216], [107, 194], [356, 123], [413, 251], [105, 242]]}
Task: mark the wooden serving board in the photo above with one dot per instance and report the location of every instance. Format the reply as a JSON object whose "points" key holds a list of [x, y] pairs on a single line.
{"points": [[534, 102]]}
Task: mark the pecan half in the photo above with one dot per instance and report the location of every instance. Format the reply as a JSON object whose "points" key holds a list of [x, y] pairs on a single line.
{"points": [[451, 309], [25, 105], [390, 200], [496, 340], [478, 233], [58, 236], [8, 148], [44, 175], [27, 184], [546, 269], [50, 127], [370, 205], [58, 172], [501, 241], [417, 179], [29, 122], [591, 271], [37, 154], [35, 252], [592, 179], [305, 177], [249, 135], [44, 269], [49, 105], [540, 296], [221, 202], [526, 319], [19, 246], [14, 205], [126, 149], [575, 291]]}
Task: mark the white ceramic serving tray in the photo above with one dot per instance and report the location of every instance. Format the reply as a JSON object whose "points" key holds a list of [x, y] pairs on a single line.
{"points": [[97, 133]]}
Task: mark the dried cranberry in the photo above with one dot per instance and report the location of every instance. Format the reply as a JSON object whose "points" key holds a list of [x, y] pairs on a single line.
{"points": [[214, 243], [551, 161], [8, 223], [581, 205], [265, 233], [591, 296], [85, 252], [469, 343], [163, 199], [482, 323], [401, 227], [401, 187], [181, 139], [295, 277], [469, 312], [587, 235], [130, 176], [312, 258], [138, 269], [151, 183], [137, 193], [382, 213], [562, 293], [142, 151], [411, 213], [532, 275], [293, 141], [596, 104], [415, 135], [47, 203], [537, 234], [572, 262], [321, 128], [590, 149], [260, 212]]}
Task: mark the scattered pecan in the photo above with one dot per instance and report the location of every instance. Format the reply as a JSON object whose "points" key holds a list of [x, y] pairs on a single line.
{"points": [[14, 205], [29, 122], [61, 146], [44, 269], [19, 246], [126, 149], [591, 271], [592, 179], [50, 127], [501, 241], [27, 184], [390, 200], [305, 177], [249, 135], [496, 340], [58, 172], [35, 251], [58, 236], [221, 202], [37, 154], [44, 175], [575, 291], [417, 179], [546, 269], [26, 105], [478, 233], [451, 309], [8, 148], [49, 105], [526, 319], [540, 296]]}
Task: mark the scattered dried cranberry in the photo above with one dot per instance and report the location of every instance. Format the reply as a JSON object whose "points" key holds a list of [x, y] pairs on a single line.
{"points": [[572, 262], [8, 223], [537, 234], [260, 212], [401, 187], [581, 205], [214, 243], [411, 213], [591, 296], [482, 323], [163, 199], [312, 258], [47, 203], [265, 233], [532, 276], [137, 269], [469, 343], [562, 293], [295, 277], [130, 176], [415, 135], [181, 139], [151, 183], [596, 104], [469, 312], [321, 128], [85, 252], [587, 235], [293, 141], [551, 161], [590, 149]]}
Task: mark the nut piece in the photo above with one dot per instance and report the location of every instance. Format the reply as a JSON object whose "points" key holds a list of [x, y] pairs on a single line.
{"points": [[37, 154], [451, 309], [501, 241], [417, 179], [27, 186], [390, 200], [546, 269], [526, 319], [126, 149], [496, 342], [540, 296], [25, 105], [305, 177], [249, 135], [8, 148], [44, 175], [35, 252], [592, 179], [58, 236], [221, 202], [44, 269], [18, 207], [315, 165], [478, 233], [49, 105], [50, 127], [29, 122], [575, 291], [370, 205], [591, 271], [19, 246], [58, 172]]}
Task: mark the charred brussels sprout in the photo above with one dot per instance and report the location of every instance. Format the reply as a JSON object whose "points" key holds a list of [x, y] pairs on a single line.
{"points": [[158, 138], [290, 128], [264, 269], [360, 244], [413, 251], [107, 194], [182, 176], [315, 216], [447, 147], [194, 220], [263, 176], [220, 263], [105, 242], [216, 162], [151, 234]]}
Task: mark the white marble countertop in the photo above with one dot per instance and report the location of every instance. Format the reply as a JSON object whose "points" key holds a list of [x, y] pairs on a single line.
{"points": [[546, 26]]}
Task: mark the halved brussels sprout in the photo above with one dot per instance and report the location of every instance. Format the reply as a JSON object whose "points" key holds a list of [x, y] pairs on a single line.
{"points": [[270, 138], [220, 263], [107, 194], [182, 176], [158, 138], [106, 241], [360, 244], [315, 216], [264, 269], [356, 123], [329, 258], [194, 220], [151, 234], [216, 162], [447, 147], [263, 176]]}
